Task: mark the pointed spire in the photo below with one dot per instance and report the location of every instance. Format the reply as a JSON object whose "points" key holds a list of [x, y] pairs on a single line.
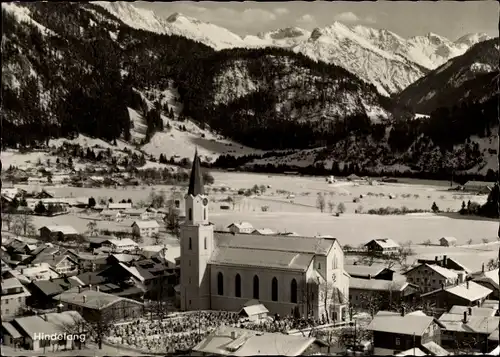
{"points": [[196, 180]]}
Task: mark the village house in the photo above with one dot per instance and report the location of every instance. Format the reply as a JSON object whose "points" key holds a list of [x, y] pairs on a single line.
{"points": [[433, 277], [465, 294], [112, 215], [253, 311], [378, 272], [59, 233], [488, 279], [468, 330], [153, 279], [43, 291], [382, 246], [448, 241], [394, 333], [365, 293], [233, 341], [426, 349], [95, 305], [24, 331], [57, 258], [14, 296], [27, 274], [145, 228], [37, 180], [445, 262], [89, 261], [167, 254], [119, 245], [223, 270], [119, 206], [241, 228], [473, 311], [481, 187], [264, 232]]}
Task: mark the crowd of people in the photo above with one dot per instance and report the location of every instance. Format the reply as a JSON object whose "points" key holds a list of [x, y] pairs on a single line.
{"points": [[170, 335], [183, 332]]}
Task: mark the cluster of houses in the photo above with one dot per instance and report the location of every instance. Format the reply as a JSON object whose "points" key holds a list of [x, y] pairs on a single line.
{"points": [[434, 307], [42, 283]]}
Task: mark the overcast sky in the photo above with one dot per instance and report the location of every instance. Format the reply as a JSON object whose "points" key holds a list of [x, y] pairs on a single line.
{"points": [[450, 19]]}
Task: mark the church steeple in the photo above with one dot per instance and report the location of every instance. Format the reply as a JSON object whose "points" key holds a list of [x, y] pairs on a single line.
{"points": [[196, 180]]}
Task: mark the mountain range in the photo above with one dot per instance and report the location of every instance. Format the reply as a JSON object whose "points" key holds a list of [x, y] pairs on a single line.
{"points": [[82, 68], [378, 56]]}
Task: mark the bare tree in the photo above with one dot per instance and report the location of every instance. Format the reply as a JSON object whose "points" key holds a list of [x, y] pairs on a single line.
{"points": [[492, 264], [352, 337], [157, 239], [371, 302], [341, 207], [172, 221], [427, 242], [331, 206], [25, 221], [7, 218], [92, 228], [320, 202]]}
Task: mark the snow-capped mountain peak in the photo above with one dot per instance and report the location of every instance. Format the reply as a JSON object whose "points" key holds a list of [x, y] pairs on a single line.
{"points": [[471, 39]]}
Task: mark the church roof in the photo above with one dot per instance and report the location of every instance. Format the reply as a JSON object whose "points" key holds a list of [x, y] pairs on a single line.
{"points": [[309, 245], [262, 258], [196, 179]]}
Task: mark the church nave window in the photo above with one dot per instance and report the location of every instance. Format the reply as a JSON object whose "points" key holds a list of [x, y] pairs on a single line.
{"points": [[237, 285], [274, 289], [204, 214], [190, 214], [220, 284], [205, 242], [293, 291], [190, 243], [256, 287]]}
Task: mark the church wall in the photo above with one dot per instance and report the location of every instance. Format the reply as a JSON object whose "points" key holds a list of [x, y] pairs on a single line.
{"points": [[230, 302]]}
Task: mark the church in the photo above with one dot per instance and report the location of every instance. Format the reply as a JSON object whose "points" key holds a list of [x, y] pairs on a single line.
{"points": [[289, 275]]}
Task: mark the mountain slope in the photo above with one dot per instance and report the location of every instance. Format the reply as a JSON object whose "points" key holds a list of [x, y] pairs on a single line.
{"points": [[340, 45], [380, 57], [176, 24], [471, 76]]}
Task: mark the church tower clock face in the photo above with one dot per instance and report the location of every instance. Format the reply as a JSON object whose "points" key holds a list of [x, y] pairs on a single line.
{"points": [[205, 202]]}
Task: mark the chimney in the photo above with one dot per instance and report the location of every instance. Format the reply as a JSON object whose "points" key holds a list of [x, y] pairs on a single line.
{"points": [[465, 317], [97, 288], [369, 276], [233, 335], [482, 269], [436, 259], [403, 311], [442, 286], [84, 299], [470, 311], [444, 261], [467, 283]]}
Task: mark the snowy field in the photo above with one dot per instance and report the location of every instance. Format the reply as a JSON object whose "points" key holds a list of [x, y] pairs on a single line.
{"points": [[299, 214]]}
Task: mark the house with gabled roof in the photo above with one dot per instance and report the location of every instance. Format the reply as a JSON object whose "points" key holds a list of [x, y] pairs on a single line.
{"points": [[468, 293], [241, 228], [233, 341], [433, 277], [395, 332], [14, 296], [488, 279], [94, 304], [382, 246], [387, 291], [460, 329], [145, 228], [223, 270]]}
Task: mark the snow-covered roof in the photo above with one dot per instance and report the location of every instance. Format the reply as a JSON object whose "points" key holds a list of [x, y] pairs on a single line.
{"points": [[146, 224], [122, 242], [62, 229], [385, 243], [449, 239], [241, 225]]}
